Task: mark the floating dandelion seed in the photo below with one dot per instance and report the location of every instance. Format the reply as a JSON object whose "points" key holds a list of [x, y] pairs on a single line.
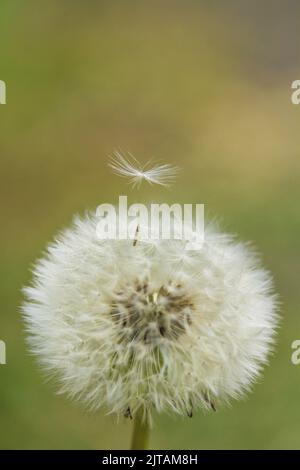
{"points": [[129, 167], [135, 330]]}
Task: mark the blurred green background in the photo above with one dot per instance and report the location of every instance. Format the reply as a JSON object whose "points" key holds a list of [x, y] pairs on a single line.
{"points": [[201, 84]]}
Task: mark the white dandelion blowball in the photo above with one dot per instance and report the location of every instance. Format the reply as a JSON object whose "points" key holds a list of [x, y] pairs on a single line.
{"points": [[150, 326]]}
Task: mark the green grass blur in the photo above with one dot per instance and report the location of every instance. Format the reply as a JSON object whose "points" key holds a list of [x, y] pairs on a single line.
{"points": [[203, 85]]}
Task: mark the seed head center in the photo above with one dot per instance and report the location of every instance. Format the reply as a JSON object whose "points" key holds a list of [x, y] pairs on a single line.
{"points": [[151, 316]]}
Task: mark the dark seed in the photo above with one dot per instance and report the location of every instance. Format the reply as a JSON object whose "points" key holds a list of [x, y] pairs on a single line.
{"points": [[211, 404], [127, 413], [162, 330], [146, 335]]}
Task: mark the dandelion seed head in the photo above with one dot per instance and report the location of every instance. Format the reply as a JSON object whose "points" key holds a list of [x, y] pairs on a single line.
{"points": [[126, 327]]}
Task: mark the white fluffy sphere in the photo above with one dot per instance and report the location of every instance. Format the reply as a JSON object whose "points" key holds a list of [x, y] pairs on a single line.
{"points": [[151, 327]]}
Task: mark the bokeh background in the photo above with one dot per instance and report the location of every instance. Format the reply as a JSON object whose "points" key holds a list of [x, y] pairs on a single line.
{"points": [[201, 84]]}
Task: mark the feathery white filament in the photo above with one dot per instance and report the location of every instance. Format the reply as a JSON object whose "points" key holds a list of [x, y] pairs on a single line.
{"points": [[129, 167]]}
